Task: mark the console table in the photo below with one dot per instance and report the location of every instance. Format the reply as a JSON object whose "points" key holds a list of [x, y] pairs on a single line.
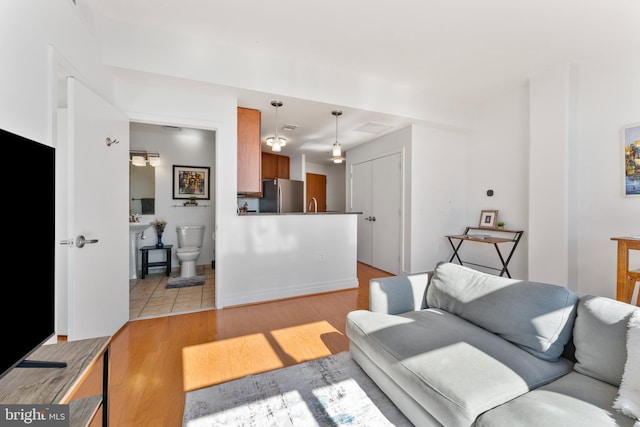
{"points": [[145, 259], [495, 240], [625, 278], [45, 386]]}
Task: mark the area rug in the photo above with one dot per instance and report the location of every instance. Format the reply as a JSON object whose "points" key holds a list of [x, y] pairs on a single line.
{"points": [[181, 282], [332, 391]]}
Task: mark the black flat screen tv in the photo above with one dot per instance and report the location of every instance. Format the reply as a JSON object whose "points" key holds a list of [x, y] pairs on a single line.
{"points": [[28, 291]]}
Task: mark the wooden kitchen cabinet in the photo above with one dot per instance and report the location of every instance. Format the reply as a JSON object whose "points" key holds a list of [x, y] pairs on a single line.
{"points": [[275, 166], [249, 157]]}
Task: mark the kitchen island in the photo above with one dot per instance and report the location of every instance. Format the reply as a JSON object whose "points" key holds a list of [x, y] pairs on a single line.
{"points": [[284, 255]]}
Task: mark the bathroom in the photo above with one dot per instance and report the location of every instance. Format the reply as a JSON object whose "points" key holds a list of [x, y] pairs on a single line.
{"points": [[178, 146]]}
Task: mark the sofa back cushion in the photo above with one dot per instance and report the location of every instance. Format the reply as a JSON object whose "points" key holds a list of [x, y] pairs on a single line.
{"points": [[537, 317], [600, 337]]}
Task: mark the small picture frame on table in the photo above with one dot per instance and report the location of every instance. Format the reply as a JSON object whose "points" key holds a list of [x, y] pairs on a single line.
{"points": [[488, 219]]}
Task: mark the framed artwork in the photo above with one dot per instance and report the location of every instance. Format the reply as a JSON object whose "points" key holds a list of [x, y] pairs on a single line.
{"points": [[631, 153], [191, 182], [488, 219]]}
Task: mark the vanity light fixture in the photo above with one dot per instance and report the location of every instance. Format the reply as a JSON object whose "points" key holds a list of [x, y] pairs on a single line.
{"points": [[337, 149], [276, 142], [141, 158], [138, 160], [153, 159]]}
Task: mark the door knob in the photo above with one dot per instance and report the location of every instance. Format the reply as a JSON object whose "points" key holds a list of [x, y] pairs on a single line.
{"points": [[79, 242]]}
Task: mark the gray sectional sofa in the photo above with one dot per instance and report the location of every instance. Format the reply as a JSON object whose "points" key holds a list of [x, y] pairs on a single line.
{"points": [[458, 347]]}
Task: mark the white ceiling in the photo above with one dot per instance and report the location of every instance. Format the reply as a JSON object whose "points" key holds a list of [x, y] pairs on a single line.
{"points": [[465, 51]]}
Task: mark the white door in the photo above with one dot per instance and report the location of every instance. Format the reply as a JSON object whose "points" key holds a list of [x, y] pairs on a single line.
{"points": [[376, 192], [386, 196], [361, 201], [97, 209]]}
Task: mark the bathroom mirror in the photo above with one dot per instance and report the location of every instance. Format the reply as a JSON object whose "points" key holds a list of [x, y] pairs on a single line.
{"points": [[142, 189]]}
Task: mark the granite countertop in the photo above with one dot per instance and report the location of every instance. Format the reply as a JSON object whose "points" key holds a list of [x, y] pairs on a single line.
{"points": [[298, 213]]}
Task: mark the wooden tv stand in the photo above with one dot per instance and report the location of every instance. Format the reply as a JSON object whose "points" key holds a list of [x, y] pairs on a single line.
{"points": [[59, 385]]}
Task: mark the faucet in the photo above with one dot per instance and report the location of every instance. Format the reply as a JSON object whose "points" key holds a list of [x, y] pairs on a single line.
{"points": [[315, 203]]}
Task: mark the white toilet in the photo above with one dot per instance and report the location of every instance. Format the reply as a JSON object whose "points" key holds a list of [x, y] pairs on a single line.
{"points": [[189, 245]]}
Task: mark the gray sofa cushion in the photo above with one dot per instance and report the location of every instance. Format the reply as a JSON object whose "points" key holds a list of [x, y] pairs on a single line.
{"points": [[398, 294], [573, 400], [452, 368], [600, 337], [538, 317]]}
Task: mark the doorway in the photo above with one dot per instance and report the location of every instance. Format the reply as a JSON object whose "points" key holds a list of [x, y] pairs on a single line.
{"points": [[175, 145], [377, 192], [316, 192]]}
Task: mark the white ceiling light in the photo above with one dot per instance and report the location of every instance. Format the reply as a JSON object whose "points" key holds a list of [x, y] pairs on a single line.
{"points": [[276, 142], [337, 149], [271, 142]]}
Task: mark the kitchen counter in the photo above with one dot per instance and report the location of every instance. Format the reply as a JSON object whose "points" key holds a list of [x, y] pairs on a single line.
{"points": [[297, 213], [291, 254]]}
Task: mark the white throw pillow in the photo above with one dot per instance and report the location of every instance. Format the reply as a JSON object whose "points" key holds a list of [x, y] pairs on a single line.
{"points": [[628, 400]]}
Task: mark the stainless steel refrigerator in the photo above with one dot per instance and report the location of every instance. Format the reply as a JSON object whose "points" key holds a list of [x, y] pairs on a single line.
{"points": [[282, 195]]}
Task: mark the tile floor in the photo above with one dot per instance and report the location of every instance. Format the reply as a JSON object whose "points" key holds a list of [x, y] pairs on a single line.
{"points": [[148, 297]]}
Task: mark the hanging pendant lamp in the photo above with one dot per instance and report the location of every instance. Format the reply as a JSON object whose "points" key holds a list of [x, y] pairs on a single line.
{"points": [[337, 149], [276, 142]]}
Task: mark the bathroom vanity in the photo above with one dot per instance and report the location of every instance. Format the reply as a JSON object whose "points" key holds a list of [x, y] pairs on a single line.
{"points": [[135, 228]]}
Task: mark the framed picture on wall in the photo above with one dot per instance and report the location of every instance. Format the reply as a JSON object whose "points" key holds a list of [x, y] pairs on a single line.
{"points": [[631, 157], [191, 182], [488, 219]]}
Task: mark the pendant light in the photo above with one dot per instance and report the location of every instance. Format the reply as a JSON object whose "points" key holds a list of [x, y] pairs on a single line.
{"points": [[276, 142], [337, 150]]}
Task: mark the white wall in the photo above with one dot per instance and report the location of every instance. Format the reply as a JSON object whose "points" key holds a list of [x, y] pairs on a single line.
{"points": [[496, 158], [279, 256], [438, 194], [28, 29], [565, 190], [608, 100], [549, 165], [167, 53]]}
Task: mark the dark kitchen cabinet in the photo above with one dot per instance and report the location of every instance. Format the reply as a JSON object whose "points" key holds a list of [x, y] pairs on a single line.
{"points": [[275, 166]]}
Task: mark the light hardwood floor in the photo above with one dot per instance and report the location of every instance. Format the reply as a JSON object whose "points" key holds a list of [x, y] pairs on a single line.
{"points": [[154, 362]]}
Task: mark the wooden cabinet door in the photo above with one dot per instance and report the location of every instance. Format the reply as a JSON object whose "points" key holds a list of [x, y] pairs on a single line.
{"points": [[249, 152], [269, 166], [282, 167], [274, 166]]}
